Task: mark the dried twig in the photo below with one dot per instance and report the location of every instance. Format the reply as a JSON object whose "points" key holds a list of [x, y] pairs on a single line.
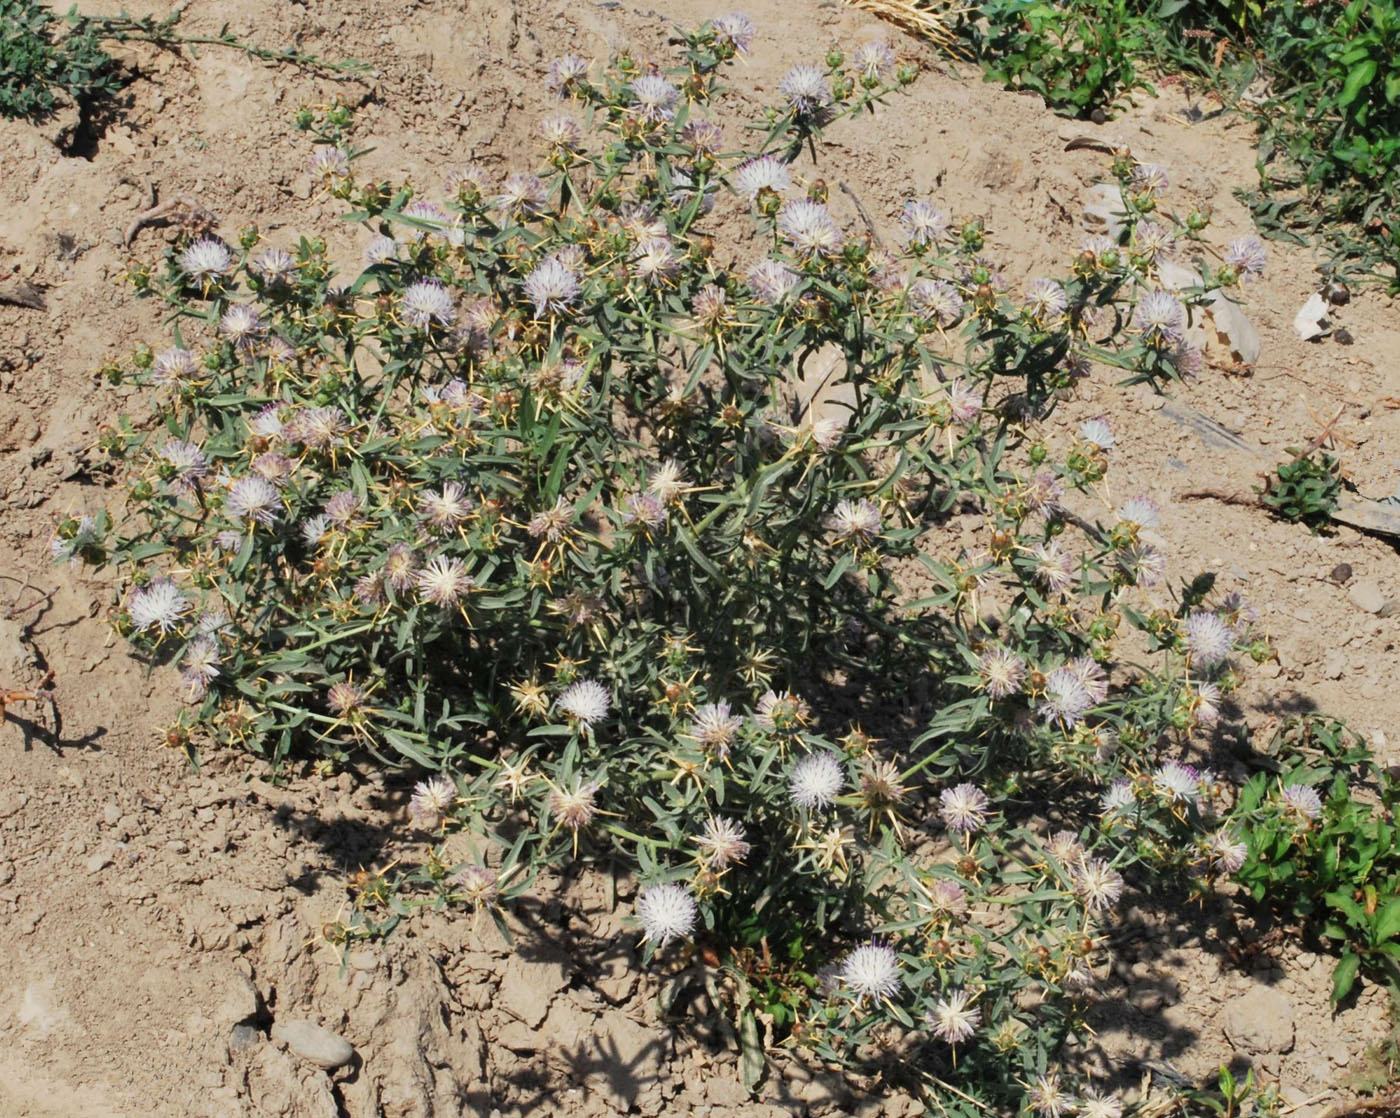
{"points": [[928, 18], [183, 209]]}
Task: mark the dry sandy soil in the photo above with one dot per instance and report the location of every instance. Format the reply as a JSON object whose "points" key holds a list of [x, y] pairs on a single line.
{"points": [[159, 924]]}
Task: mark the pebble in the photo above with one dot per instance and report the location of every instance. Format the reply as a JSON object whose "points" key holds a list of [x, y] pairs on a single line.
{"points": [[112, 814], [242, 1037], [1260, 1022], [98, 862], [1366, 595], [314, 1044]]}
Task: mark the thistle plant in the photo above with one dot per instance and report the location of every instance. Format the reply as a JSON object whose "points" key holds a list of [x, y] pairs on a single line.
{"points": [[589, 491]]}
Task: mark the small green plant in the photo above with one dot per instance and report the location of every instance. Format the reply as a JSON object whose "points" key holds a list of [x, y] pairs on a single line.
{"points": [[38, 61], [1321, 854], [1305, 489], [1079, 57]]}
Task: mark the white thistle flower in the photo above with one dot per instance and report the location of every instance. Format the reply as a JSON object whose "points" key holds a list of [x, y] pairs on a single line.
{"points": [[666, 912]]}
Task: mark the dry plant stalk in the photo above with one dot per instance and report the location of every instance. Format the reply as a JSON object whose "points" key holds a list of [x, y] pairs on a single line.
{"points": [[928, 18]]}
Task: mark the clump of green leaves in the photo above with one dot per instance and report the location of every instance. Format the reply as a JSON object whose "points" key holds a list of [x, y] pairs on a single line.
{"points": [[1080, 57], [1305, 489], [38, 60], [1322, 845]]}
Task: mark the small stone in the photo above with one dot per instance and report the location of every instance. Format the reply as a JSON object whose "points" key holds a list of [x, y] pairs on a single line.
{"points": [[314, 1044], [98, 862], [242, 1037], [1260, 1022], [1341, 573], [177, 846], [362, 959], [1367, 595], [112, 814]]}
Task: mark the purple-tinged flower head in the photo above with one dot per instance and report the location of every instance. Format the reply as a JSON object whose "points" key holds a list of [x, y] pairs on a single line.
{"points": [[345, 698], [1207, 704], [185, 465], [1248, 256], [242, 325], [1098, 432], [872, 971], [735, 31], [702, 137], [479, 885], [1001, 671], [1141, 564], [567, 75], [643, 511], [522, 196], [1160, 318], [804, 88], [424, 218], [946, 899], [881, 784], [1186, 358], [783, 713], [1052, 567], [561, 132], [400, 567], [952, 1019], [924, 223], [444, 581], [274, 266], [1094, 1104], [276, 468], [585, 701], [722, 843], [1047, 1098], [1044, 492], [432, 799], [1099, 245], [856, 522], [173, 367], [963, 808], [654, 98], [714, 728], [574, 807], [816, 780], [825, 432], [1303, 799], [446, 508], [809, 228], [935, 299], [552, 286], [206, 260], [1066, 699], [767, 172], [1149, 177], [1153, 242], [1176, 782], [710, 306], [327, 162], [267, 423], [874, 60], [426, 302], [317, 428], [964, 402], [468, 183], [199, 666], [69, 548], [656, 262], [1097, 883], [369, 590], [1209, 640], [157, 605], [314, 528], [1091, 675], [228, 540], [552, 523], [1224, 852], [1141, 511], [1065, 848], [1044, 300], [253, 499], [771, 281], [666, 912], [343, 508], [1118, 799]]}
